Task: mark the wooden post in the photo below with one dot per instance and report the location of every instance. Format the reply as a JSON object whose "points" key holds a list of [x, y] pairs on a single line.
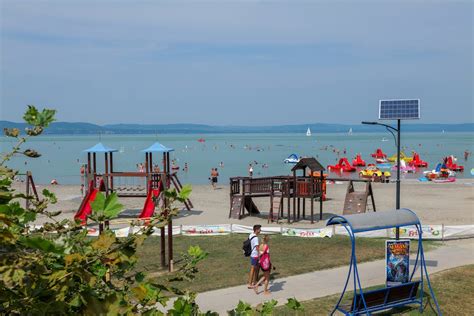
{"points": [[288, 196], [27, 201], [371, 192], [170, 245], [146, 162], [151, 162], [295, 192], [89, 163], [163, 247], [106, 172], [94, 162], [321, 196], [304, 208], [111, 171]]}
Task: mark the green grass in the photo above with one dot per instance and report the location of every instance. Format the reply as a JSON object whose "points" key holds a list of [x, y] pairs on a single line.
{"points": [[453, 289], [226, 266]]}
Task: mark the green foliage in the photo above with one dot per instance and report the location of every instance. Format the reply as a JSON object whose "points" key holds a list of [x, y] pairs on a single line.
{"points": [[39, 119], [294, 304], [267, 308], [57, 269], [105, 208], [242, 309]]}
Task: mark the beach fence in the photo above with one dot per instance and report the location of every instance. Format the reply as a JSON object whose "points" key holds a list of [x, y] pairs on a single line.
{"points": [[430, 232]]}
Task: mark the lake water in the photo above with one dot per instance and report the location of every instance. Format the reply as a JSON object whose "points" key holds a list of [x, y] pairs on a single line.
{"points": [[62, 155]]}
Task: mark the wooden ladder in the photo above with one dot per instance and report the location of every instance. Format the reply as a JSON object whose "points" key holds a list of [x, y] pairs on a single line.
{"points": [[276, 205]]}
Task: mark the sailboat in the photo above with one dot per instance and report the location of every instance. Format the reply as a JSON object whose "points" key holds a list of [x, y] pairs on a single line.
{"points": [[308, 132], [350, 131]]}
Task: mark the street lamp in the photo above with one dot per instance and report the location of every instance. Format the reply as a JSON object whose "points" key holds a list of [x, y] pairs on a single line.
{"points": [[392, 129], [398, 109]]}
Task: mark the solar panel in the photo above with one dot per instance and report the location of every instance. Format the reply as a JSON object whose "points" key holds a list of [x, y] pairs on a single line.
{"points": [[399, 109]]}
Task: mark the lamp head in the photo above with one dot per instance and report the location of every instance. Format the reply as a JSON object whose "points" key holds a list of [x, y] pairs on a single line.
{"points": [[369, 123]]}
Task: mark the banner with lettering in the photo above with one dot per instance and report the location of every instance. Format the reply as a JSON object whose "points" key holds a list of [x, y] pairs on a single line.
{"points": [[307, 233], [205, 230], [429, 232]]}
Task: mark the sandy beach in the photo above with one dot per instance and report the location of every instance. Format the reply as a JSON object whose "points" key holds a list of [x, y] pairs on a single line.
{"points": [[449, 203]]}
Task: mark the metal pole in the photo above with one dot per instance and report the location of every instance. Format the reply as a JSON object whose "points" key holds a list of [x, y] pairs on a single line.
{"points": [[397, 233]]}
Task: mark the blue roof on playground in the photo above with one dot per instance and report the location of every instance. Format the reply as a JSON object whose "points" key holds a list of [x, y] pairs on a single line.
{"points": [[376, 220], [100, 148], [157, 147]]}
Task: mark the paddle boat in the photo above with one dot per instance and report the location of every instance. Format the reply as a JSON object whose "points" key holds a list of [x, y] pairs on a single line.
{"points": [[402, 156], [440, 172], [293, 158], [417, 162], [358, 161], [450, 162], [342, 165], [446, 180], [404, 167], [379, 154], [372, 170]]}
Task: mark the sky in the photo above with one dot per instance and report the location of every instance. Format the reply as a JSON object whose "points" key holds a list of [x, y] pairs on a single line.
{"points": [[235, 62]]}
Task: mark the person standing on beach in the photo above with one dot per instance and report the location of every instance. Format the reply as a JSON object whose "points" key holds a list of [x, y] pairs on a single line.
{"points": [[253, 274], [250, 170], [185, 169], [214, 175]]}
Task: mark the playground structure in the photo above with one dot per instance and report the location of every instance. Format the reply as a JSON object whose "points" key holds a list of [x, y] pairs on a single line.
{"points": [[151, 183], [356, 202], [450, 164], [292, 188], [358, 161], [417, 162], [30, 188], [343, 165], [411, 292]]}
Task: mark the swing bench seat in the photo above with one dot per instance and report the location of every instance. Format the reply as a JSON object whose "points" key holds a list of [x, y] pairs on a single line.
{"points": [[385, 298]]}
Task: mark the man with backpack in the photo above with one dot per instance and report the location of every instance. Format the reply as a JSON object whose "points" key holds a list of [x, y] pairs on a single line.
{"points": [[251, 250]]}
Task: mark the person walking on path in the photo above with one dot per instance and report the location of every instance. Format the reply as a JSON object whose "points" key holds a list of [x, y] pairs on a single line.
{"points": [[253, 237], [264, 264]]}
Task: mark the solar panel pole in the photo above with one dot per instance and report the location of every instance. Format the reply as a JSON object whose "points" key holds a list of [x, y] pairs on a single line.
{"points": [[397, 201]]}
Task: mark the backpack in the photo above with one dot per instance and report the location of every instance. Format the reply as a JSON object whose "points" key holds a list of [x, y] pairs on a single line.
{"points": [[247, 246]]}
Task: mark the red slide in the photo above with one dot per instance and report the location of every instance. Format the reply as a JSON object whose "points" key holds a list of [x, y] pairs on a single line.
{"points": [[149, 207], [85, 208]]}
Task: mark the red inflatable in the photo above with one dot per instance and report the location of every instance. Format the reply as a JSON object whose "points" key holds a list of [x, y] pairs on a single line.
{"points": [[342, 165], [417, 162], [379, 154], [450, 164], [358, 161]]}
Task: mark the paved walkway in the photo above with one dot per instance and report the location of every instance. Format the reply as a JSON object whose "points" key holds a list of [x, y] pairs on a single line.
{"points": [[327, 282]]}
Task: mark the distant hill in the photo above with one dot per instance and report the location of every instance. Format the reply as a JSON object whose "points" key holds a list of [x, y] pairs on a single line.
{"points": [[79, 128]]}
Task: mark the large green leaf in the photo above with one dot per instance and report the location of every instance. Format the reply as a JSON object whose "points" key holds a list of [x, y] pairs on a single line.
{"points": [[185, 192], [98, 204], [41, 244], [112, 206]]}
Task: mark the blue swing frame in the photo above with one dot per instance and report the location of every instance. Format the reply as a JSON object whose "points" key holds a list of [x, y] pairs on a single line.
{"points": [[345, 221]]}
